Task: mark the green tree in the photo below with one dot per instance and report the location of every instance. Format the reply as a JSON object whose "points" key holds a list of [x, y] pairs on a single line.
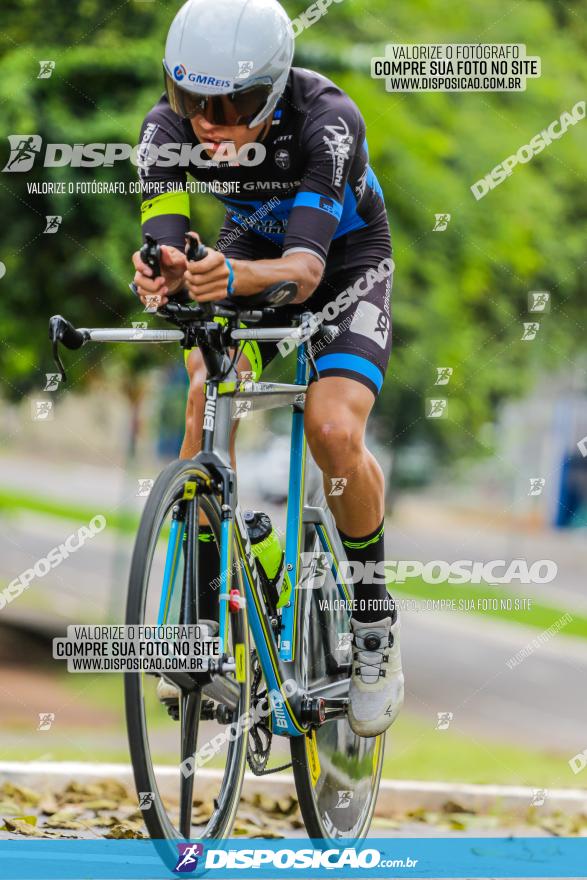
{"points": [[460, 296]]}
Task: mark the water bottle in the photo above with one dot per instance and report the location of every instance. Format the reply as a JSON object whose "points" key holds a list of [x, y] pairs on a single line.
{"points": [[269, 554]]}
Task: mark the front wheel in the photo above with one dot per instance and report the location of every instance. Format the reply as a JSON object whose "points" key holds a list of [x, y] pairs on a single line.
{"points": [[196, 730]]}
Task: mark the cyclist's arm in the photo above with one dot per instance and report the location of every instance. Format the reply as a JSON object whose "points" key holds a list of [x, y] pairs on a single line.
{"points": [[332, 134], [331, 137], [251, 276], [165, 216], [164, 210]]}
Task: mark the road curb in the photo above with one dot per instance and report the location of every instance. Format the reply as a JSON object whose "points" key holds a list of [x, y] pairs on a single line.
{"points": [[395, 796]]}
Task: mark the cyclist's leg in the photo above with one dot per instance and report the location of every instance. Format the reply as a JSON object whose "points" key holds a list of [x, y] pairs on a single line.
{"points": [[352, 367], [337, 409]]}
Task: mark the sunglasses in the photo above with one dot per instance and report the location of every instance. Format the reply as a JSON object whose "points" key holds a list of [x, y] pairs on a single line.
{"points": [[237, 108]]}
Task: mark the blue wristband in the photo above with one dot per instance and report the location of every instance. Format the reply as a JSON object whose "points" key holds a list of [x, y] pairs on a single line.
{"points": [[229, 286]]}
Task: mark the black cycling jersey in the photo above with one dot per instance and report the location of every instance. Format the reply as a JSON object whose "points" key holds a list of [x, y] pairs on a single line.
{"points": [[313, 191]]}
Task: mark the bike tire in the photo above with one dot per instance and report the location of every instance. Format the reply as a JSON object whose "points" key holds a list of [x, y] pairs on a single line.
{"points": [[167, 489]]}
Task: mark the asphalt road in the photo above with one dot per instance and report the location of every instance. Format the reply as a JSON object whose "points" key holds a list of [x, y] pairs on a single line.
{"points": [[453, 662], [458, 663]]}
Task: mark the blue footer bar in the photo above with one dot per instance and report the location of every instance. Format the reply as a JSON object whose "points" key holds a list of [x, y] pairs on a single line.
{"points": [[489, 857]]}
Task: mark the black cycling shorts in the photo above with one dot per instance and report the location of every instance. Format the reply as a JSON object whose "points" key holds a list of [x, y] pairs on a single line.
{"points": [[362, 316]]}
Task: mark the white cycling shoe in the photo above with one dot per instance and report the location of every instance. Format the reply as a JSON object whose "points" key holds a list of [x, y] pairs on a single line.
{"points": [[376, 692], [167, 693]]}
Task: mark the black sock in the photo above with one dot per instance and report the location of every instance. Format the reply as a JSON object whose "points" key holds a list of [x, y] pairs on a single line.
{"points": [[208, 573], [373, 602]]}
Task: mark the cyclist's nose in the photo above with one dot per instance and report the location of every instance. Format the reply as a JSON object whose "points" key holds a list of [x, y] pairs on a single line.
{"points": [[204, 123]]}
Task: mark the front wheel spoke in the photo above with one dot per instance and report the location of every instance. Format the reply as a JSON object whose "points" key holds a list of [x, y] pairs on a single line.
{"points": [[189, 714]]}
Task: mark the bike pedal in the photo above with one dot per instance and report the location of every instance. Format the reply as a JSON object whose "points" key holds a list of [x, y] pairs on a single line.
{"points": [[207, 712], [172, 707]]}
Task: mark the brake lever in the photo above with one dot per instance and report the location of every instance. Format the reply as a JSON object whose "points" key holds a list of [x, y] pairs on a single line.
{"points": [[195, 251], [150, 254]]}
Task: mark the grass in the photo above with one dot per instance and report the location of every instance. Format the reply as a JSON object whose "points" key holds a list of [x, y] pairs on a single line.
{"points": [[416, 750], [14, 502], [539, 616]]}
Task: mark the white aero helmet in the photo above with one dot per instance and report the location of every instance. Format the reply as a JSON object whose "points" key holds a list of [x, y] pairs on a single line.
{"points": [[228, 60]]}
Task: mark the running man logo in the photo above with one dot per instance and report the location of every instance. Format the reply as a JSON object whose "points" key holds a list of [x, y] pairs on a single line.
{"points": [[444, 719], [539, 301], [152, 302], [46, 719], [23, 151], [242, 408], [539, 795], [187, 857], [382, 326], [245, 69], [42, 410], [536, 485], [52, 381], [530, 331], [53, 223], [443, 375], [146, 800], [345, 642], [437, 408], [46, 69], [344, 800], [441, 222], [313, 569], [337, 485]]}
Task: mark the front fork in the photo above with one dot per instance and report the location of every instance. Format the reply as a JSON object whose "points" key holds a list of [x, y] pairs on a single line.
{"points": [[226, 565], [184, 529], [174, 548]]}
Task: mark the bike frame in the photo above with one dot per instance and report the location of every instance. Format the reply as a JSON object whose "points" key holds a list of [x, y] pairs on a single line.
{"points": [[280, 657]]}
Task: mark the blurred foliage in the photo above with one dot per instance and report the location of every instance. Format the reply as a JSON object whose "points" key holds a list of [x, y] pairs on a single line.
{"points": [[460, 296]]}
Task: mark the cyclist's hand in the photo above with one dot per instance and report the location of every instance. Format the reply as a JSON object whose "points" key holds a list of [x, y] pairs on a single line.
{"points": [[173, 263], [207, 279]]}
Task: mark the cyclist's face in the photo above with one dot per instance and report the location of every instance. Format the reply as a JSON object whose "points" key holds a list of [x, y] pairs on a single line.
{"points": [[239, 135]]}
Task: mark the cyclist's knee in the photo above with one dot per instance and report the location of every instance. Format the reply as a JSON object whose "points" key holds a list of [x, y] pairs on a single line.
{"points": [[336, 444]]}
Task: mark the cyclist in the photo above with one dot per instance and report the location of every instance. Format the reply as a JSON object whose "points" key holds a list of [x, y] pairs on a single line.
{"points": [[302, 204]]}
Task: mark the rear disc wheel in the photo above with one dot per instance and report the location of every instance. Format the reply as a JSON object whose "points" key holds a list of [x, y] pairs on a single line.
{"points": [[336, 772]]}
